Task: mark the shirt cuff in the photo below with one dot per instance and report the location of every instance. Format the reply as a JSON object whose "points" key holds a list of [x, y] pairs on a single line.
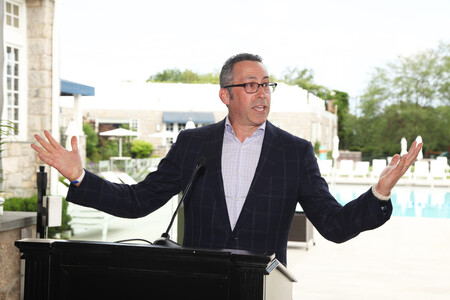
{"points": [[379, 196], [79, 179]]}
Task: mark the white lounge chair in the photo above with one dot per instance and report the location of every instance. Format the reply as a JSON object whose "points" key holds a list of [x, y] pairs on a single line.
{"points": [[378, 166], [421, 170], [118, 177], [325, 167], [345, 168], [85, 218], [361, 169], [437, 169], [443, 160]]}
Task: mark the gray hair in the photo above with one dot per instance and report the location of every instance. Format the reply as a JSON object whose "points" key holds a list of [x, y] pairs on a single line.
{"points": [[227, 75]]}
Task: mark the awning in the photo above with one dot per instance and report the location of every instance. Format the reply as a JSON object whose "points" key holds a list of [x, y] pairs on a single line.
{"points": [[183, 117], [69, 88]]}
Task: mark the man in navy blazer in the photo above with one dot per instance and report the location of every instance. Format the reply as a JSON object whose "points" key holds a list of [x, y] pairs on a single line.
{"points": [[285, 173]]}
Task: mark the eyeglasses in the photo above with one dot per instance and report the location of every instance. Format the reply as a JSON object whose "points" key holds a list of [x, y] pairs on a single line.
{"points": [[253, 87]]}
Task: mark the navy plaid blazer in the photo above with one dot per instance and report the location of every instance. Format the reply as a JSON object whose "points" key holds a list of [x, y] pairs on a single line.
{"points": [[287, 174]]}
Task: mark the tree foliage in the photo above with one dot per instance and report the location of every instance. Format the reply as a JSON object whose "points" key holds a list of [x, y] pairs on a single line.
{"points": [[345, 125], [305, 79], [92, 152], [103, 147], [407, 98], [187, 76], [141, 149]]}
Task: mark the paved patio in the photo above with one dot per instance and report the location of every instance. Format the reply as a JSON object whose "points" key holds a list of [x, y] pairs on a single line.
{"points": [[407, 258]]}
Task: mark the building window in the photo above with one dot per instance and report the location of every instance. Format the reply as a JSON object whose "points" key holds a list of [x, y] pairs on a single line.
{"points": [[134, 124], [12, 86], [12, 14], [169, 127], [181, 126]]}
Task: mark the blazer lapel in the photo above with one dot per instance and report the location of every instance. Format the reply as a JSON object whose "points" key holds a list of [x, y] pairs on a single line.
{"points": [[214, 168], [265, 160]]}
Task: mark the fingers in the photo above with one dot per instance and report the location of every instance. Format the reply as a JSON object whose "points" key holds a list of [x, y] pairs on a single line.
{"points": [[408, 159], [413, 152], [52, 140], [43, 143], [47, 151], [74, 143], [394, 160]]}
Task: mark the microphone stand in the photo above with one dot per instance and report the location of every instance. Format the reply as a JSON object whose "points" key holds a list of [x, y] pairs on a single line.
{"points": [[165, 240]]}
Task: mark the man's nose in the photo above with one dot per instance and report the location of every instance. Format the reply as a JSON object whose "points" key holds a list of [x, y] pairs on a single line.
{"points": [[260, 92]]}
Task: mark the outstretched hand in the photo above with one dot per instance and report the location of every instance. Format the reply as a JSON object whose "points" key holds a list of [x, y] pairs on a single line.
{"points": [[68, 163], [396, 169]]}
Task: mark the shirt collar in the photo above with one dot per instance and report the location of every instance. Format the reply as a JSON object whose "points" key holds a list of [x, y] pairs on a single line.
{"points": [[258, 131]]}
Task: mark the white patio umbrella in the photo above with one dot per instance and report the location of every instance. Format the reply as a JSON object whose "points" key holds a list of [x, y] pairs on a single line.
{"points": [[190, 124], [335, 153], [404, 146], [72, 130], [419, 140], [120, 133]]}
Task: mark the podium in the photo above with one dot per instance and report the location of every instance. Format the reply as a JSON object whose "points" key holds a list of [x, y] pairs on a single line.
{"points": [[62, 269]]}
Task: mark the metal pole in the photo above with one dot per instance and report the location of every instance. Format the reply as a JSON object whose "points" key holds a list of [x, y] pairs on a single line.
{"points": [[41, 181]]}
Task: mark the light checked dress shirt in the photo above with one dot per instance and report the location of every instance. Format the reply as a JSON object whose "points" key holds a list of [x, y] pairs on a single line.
{"points": [[239, 162]]}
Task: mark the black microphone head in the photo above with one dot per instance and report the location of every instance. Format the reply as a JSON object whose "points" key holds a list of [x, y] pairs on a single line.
{"points": [[166, 242], [201, 162]]}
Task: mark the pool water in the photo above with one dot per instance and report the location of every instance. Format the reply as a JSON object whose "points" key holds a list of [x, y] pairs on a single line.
{"points": [[407, 201]]}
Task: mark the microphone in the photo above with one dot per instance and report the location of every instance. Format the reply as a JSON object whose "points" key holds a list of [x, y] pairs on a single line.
{"points": [[165, 240]]}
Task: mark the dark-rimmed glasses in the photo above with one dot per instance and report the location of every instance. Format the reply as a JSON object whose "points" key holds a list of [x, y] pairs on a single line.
{"points": [[253, 87]]}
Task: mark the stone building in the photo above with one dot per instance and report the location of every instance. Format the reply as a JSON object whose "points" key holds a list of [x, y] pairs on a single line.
{"points": [[31, 87], [158, 111], [29, 97]]}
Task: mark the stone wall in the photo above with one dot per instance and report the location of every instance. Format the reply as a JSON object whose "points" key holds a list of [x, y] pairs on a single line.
{"points": [[20, 170], [19, 161], [39, 38], [13, 226]]}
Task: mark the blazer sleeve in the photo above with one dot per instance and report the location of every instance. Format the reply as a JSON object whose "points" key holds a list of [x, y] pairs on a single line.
{"points": [[336, 222], [132, 201]]}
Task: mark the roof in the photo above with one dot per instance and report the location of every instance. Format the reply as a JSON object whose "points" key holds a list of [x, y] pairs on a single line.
{"points": [[183, 117], [69, 88]]}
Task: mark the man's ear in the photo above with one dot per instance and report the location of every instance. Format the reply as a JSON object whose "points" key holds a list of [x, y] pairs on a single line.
{"points": [[224, 95]]}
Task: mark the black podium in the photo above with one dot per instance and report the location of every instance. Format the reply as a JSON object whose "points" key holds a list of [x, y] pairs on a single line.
{"points": [[61, 269]]}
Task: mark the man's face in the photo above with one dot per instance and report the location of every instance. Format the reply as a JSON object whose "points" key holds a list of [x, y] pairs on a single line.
{"points": [[247, 109]]}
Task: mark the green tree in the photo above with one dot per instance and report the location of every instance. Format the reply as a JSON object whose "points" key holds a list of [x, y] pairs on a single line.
{"points": [[305, 79], [340, 99], [407, 98], [187, 76], [107, 148], [141, 149], [92, 152]]}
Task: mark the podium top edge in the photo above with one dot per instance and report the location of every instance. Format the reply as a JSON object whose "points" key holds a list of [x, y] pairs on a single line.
{"points": [[234, 254]]}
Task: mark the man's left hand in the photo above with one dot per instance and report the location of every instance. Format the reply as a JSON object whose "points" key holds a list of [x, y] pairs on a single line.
{"points": [[396, 169]]}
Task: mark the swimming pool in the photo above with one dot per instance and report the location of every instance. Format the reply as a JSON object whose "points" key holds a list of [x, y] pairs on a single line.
{"points": [[408, 201]]}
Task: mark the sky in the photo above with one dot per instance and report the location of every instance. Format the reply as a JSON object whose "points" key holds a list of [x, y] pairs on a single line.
{"points": [[342, 42]]}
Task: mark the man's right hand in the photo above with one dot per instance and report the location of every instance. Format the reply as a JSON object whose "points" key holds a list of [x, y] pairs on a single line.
{"points": [[68, 163]]}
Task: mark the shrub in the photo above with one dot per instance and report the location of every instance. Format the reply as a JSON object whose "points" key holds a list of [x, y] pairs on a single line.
{"points": [[141, 149], [30, 204]]}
